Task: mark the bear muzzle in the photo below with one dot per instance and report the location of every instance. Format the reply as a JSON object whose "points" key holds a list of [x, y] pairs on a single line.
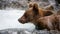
{"points": [[22, 20]]}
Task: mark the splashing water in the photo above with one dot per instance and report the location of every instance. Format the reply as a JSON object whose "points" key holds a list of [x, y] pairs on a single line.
{"points": [[9, 19]]}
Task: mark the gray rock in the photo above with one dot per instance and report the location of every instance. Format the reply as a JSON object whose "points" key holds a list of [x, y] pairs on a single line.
{"points": [[25, 31]]}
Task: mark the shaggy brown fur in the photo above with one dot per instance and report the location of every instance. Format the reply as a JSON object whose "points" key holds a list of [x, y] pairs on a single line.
{"points": [[33, 14], [47, 22]]}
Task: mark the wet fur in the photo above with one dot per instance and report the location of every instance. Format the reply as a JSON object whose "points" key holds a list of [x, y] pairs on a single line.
{"points": [[34, 14]]}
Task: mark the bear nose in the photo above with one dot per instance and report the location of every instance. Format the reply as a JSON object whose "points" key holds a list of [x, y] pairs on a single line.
{"points": [[22, 20]]}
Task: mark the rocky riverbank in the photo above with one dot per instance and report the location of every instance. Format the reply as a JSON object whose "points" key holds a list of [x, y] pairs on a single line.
{"points": [[21, 4], [25, 31]]}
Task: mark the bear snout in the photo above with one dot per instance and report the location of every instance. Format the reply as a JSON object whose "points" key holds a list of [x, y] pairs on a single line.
{"points": [[22, 20]]}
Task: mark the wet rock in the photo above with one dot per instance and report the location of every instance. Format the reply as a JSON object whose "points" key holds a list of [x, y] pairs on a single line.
{"points": [[24, 31]]}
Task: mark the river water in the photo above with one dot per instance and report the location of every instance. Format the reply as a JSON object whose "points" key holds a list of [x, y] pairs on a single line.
{"points": [[9, 16], [9, 19]]}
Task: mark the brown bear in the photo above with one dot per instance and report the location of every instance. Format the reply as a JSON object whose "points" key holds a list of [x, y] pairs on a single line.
{"points": [[51, 22], [33, 14], [48, 22], [30, 4]]}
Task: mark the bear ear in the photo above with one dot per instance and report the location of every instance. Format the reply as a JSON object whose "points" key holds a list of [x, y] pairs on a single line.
{"points": [[35, 8], [30, 5]]}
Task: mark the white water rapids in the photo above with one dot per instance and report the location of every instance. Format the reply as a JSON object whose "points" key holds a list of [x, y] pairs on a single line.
{"points": [[9, 19]]}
